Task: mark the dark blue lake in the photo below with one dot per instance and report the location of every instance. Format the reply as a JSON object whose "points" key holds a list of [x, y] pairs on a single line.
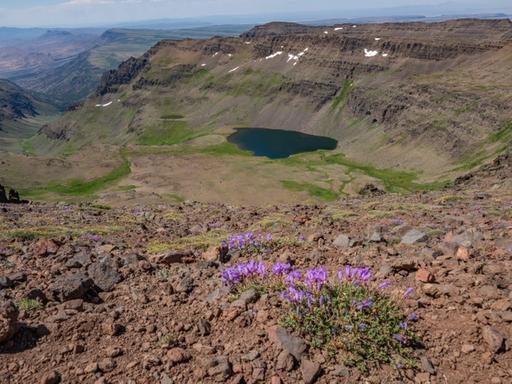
{"points": [[277, 143]]}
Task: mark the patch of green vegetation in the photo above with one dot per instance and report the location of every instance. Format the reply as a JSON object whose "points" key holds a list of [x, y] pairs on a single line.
{"points": [[342, 95], [87, 187], [224, 149], [27, 147], [271, 222], [172, 216], [205, 240], [358, 324], [172, 116], [312, 189], [32, 233], [30, 305], [167, 340], [393, 180], [504, 135], [168, 132]]}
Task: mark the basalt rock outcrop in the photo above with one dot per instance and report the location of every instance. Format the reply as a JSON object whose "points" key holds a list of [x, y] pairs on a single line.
{"points": [[11, 197]]}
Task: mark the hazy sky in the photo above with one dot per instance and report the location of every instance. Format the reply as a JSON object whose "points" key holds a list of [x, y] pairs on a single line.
{"points": [[98, 12]]}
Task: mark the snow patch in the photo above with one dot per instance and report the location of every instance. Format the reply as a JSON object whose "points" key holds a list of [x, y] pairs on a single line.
{"points": [[354, 26], [278, 53], [326, 32], [378, 38], [104, 105], [234, 69], [215, 54], [338, 28], [247, 42], [385, 55], [369, 53], [230, 55], [296, 57], [203, 65]]}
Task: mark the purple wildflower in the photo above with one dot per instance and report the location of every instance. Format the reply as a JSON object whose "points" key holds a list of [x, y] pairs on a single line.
{"points": [[413, 317], [268, 237], [231, 276], [293, 295], [363, 305], [301, 237], [384, 285], [316, 278], [399, 338], [363, 327], [354, 275], [403, 325], [292, 277], [279, 269], [408, 292]]}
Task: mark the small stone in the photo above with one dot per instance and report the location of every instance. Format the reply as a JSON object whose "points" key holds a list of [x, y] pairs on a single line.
{"points": [[51, 378], [91, 368], [462, 254], [71, 286], [204, 327], [494, 339], [292, 344], [285, 361], [247, 297], [467, 348], [8, 320], [424, 276], [310, 371], [343, 241], [178, 356], [427, 365], [114, 352], [107, 365], [414, 236], [104, 274], [253, 355]]}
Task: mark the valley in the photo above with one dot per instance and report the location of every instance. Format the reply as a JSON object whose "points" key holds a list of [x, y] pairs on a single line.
{"points": [[412, 106]]}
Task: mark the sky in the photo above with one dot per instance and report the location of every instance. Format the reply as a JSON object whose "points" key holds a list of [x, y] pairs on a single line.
{"points": [[78, 13]]}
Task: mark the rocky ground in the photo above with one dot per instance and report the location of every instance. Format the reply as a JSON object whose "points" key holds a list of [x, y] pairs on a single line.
{"points": [[91, 294]]}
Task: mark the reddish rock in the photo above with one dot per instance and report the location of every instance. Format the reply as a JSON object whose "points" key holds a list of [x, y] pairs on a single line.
{"points": [[44, 247], [424, 276], [462, 254]]}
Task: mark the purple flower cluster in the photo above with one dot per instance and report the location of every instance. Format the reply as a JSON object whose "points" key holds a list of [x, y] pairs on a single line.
{"points": [[281, 269], [354, 275], [242, 271], [91, 237], [246, 240], [316, 278]]}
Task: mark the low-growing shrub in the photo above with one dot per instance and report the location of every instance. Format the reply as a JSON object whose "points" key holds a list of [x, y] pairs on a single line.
{"points": [[346, 313], [29, 305]]}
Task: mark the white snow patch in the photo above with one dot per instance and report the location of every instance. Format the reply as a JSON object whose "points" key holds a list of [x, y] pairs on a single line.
{"points": [[203, 65], [247, 42], [338, 29], [234, 69], [385, 55], [296, 57], [354, 26], [274, 55], [104, 105], [215, 54], [369, 53], [230, 55], [378, 38], [326, 32]]}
